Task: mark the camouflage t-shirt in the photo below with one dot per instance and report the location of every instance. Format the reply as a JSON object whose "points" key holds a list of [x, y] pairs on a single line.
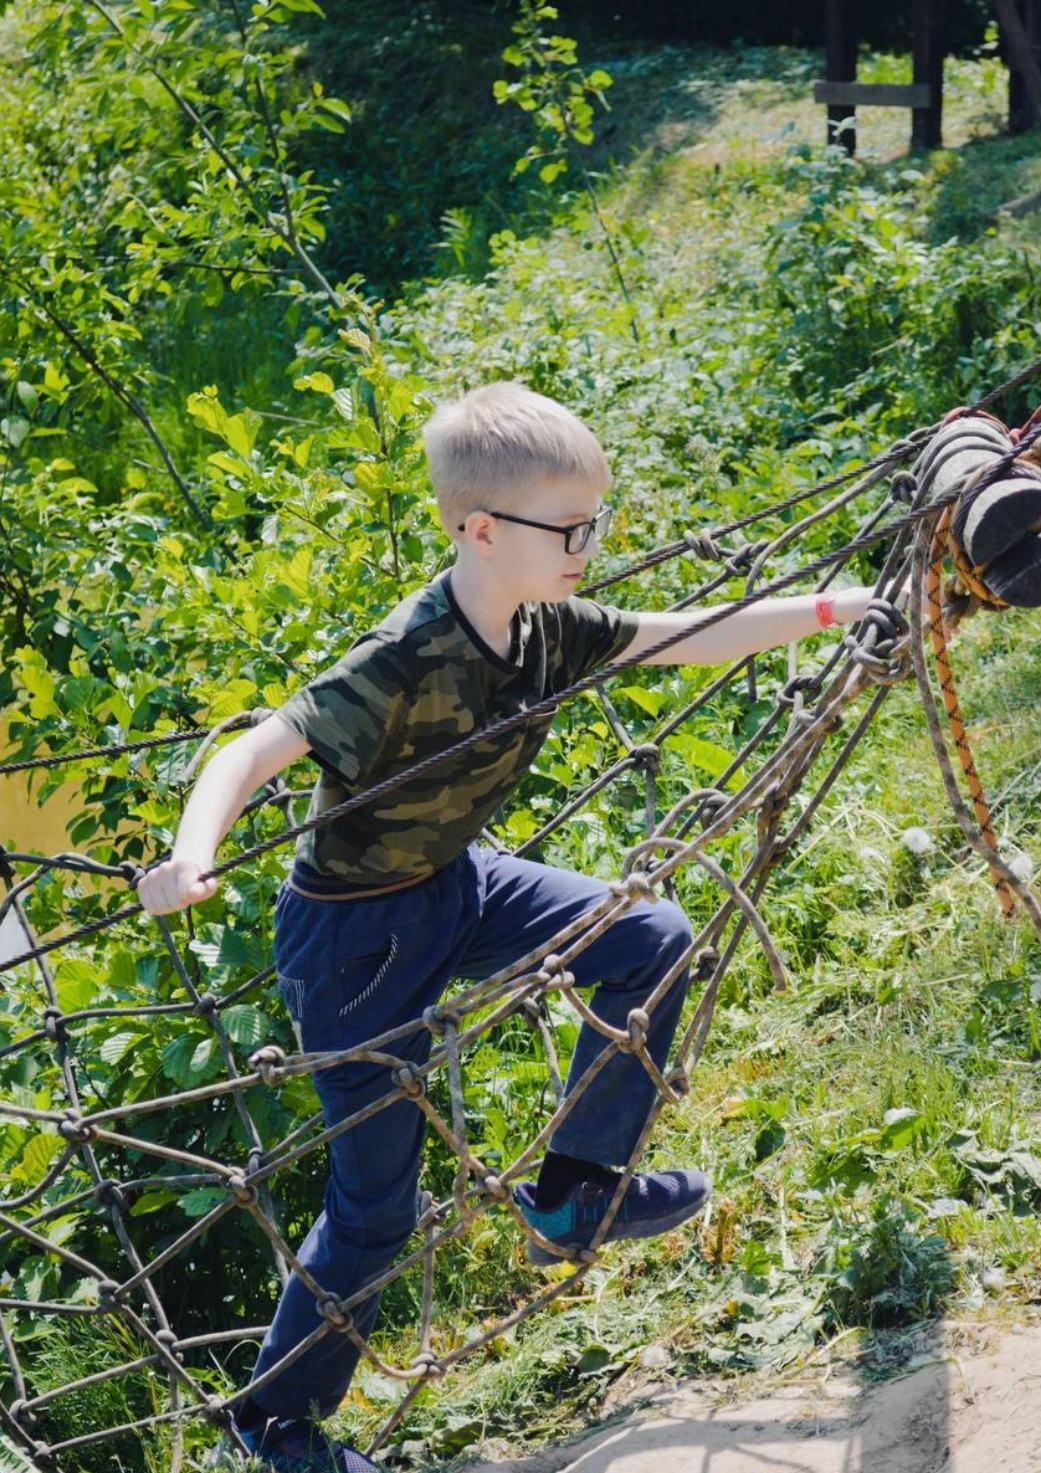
{"points": [[414, 685]]}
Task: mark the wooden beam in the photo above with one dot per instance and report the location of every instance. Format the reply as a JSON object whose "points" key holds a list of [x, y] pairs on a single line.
{"points": [[840, 57], [1023, 51], [1024, 205], [873, 94], [927, 48]]}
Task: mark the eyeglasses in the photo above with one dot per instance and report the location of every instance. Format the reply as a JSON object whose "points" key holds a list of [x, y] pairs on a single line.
{"points": [[575, 537]]}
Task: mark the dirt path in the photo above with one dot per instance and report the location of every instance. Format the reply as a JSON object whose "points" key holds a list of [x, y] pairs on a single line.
{"points": [[969, 1403]]}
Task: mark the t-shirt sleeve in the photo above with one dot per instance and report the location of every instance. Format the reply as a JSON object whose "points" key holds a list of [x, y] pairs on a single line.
{"points": [[593, 634], [350, 712]]}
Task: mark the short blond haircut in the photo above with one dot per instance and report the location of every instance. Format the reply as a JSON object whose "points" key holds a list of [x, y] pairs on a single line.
{"points": [[496, 439]]}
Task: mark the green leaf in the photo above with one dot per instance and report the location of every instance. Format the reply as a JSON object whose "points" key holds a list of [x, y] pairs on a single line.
{"points": [[240, 434], [320, 382], [77, 984], [222, 461], [335, 105], [122, 971], [37, 1157], [118, 1046], [246, 1025], [152, 1202], [12, 1459], [706, 755], [202, 1200], [899, 1128], [650, 701], [177, 1059]]}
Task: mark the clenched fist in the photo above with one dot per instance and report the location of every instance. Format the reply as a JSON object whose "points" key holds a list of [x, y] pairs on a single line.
{"points": [[174, 885]]}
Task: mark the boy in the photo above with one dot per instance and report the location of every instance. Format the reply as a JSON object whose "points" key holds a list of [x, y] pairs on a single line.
{"points": [[382, 908]]}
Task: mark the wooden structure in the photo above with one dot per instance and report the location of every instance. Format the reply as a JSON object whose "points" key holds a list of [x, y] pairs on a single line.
{"points": [[843, 94], [1021, 37], [1020, 22]]}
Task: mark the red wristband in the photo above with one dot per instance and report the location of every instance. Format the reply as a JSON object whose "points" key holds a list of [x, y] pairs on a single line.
{"points": [[825, 610]]}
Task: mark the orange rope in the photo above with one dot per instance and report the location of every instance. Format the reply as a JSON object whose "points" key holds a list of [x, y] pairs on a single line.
{"points": [[938, 637]]}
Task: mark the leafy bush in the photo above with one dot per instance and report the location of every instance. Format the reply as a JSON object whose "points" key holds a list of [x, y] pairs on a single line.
{"points": [[880, 1268]]}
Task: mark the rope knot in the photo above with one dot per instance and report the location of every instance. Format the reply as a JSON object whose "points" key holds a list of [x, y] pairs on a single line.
{"points": [[205, 1005], [340, 1319], [240, 1189], [553, 973], [705, 963], [533, 1010], [493, 1187], [407, 1080], [74, 1128], [108, 1194], [131, 872], [703, 545], [678, 1080], [54, 1024], [635, 886], [215, 1412], [887, 667], [168, 1340], [710, 805], [22, 1414], [742, 558], [799, 684], [437, 1018], [427, 1364], [269, 1063], [903, 487], [647, 755], [637, 1023], [108, 1293]]}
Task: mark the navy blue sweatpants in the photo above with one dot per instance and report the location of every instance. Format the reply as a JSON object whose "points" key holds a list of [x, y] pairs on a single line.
{"points": [[351, 969]]}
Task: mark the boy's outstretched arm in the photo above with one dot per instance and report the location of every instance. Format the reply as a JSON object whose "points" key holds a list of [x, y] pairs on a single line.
{"points": [[770, 622], [217, 799]]}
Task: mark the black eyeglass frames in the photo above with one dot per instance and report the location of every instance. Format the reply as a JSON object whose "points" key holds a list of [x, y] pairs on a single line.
{"points": [[575, 537]]}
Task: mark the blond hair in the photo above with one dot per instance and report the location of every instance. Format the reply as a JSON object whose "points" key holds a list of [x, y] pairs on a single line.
{"points": [[496, 439]]}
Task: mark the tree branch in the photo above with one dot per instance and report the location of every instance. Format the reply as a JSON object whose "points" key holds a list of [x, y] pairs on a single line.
{"points": [[285, 232], [125, 396]]}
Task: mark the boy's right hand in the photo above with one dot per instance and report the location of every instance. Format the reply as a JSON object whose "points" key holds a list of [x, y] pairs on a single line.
{"points": [[174, 885]]}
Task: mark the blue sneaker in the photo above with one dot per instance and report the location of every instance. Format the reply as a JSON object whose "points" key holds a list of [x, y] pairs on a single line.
{"points": [[291, 1446], [654, 1201]]}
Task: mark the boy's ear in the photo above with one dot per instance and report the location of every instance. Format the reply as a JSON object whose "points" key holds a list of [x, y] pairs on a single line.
{"points": [[477, 527]]}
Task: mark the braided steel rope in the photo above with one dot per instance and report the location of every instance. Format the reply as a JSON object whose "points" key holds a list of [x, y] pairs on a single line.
{"points": [[85, 1135]]}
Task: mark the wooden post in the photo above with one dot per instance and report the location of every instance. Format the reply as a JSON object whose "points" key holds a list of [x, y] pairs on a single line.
{"points": [[840, 53], [927, 21], [1021, 45]]}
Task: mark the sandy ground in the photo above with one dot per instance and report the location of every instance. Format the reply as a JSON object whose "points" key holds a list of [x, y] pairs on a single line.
{"points": [[968, 1403]]}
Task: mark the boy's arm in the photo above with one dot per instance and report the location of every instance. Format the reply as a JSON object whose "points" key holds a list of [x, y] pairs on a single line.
{"points": [[217, 799], [772, 621]]}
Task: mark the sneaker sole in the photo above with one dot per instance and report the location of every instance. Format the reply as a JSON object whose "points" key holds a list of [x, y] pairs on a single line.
{"points": [[650, 1228]]}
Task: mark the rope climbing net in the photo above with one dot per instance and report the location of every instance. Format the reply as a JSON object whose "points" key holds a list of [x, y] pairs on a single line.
{"points": [[95, 1161]]}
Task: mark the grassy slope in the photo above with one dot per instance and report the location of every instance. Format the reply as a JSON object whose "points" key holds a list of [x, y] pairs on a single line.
{"points": [[909, 992]]}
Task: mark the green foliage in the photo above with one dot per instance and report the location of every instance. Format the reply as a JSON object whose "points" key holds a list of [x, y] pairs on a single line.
{"points": [[12, 1459], [552, 87], [882, 1269], [796, 313]]}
